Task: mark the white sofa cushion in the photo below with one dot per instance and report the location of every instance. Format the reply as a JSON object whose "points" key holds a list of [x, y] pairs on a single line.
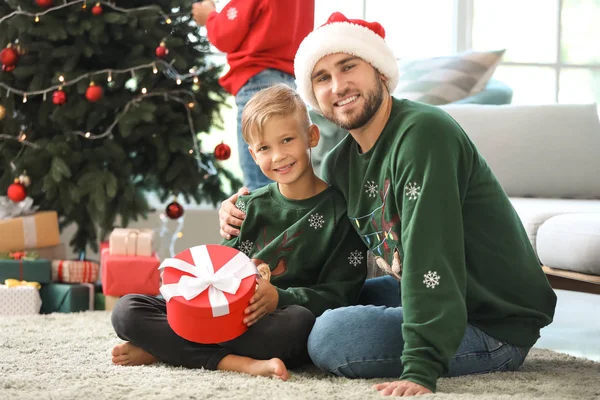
{"points": [[534, 212], [571, 242], [550, 151]]}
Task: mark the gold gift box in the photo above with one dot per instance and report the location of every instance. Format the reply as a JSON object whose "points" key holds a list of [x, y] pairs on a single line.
{"points": [[30, 232], [131, 242]]}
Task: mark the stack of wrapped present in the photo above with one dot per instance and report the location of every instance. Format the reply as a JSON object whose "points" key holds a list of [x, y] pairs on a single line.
{"points": [[32, 257], [129, 264]]}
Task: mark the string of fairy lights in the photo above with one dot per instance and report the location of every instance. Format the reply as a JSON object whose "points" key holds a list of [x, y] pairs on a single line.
{"points": [[173, 95], [36, 15]]}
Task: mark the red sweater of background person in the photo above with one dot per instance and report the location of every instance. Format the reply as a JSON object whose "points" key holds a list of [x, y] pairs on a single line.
{"points": [[259, 34]]}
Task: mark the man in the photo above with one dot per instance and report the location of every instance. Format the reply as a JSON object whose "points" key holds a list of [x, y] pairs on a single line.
{"points": [[473, 296]]}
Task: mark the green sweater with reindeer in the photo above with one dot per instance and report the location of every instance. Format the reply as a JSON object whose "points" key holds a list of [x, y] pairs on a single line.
{"points": [[425, 193], [317, 259]]}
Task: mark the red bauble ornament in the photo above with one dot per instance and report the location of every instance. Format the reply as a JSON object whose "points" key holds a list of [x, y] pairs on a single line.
{"points": [[174, 210], [9, 57], [94, 93], [8, 68], [44, 3], [222, 152], [97, 9], [162, 51], [59, 97], [16, 192]]}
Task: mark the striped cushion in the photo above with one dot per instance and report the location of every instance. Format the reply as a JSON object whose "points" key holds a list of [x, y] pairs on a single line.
{"points": [[443, 80]]}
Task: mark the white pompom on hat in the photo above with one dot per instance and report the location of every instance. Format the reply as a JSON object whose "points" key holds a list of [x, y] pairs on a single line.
{"points": [[342, 35]]}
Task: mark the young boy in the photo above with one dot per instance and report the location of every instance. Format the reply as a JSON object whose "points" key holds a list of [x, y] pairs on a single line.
{"points": [[297, 226]]}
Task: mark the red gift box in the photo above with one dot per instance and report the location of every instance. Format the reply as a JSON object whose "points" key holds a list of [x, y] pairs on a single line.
{"points": [[207, 289], [123, 275]]}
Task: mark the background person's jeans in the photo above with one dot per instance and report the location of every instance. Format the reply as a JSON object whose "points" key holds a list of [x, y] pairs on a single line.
{"points": [[365, 341], [253, 176]]}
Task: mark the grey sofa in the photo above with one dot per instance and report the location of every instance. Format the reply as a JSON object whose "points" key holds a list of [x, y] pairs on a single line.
{"points": [[547, 159]]}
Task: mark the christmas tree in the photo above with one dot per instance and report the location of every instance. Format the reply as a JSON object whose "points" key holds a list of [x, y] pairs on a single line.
{"points": [[103, 102]]}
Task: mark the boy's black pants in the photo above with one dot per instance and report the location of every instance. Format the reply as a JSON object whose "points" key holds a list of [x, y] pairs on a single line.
{"points": [[142, 321]]}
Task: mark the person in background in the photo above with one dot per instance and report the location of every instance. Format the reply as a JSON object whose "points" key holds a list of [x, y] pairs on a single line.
{"points": [[260, 38]]}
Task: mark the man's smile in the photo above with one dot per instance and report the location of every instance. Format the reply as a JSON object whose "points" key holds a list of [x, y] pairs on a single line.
{"points": [[346, 101]]}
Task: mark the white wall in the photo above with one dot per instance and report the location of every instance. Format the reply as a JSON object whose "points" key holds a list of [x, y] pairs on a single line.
{"points": [[201, 226]]}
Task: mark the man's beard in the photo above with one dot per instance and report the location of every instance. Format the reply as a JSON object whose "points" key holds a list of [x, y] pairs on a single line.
{"points": [[373, 102]]}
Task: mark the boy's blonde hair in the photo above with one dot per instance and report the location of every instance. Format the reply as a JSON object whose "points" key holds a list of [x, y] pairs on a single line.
{"points": [[276, 101]]}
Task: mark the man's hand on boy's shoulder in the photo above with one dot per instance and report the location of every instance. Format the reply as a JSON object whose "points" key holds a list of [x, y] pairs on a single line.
{"points": [[263, 302], [230, 215], [201, 11]]}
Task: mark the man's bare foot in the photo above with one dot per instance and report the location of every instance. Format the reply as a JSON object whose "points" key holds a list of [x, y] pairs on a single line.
{"points": [[128, 354], [273, 368]]}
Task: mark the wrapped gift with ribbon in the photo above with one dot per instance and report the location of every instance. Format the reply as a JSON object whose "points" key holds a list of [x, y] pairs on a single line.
{"points": [[207, 289], [67, 297], [19, 297], [123, 275], [73, 271], [24, 266], [131, 242], [28, 232]]}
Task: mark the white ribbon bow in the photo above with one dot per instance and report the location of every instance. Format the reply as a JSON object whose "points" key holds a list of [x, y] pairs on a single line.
{"points": [[227, 279]]}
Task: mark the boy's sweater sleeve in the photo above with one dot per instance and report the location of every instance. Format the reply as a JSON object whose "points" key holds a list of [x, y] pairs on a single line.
{"points": [[228, 29], [432, 176], [341, 277]]}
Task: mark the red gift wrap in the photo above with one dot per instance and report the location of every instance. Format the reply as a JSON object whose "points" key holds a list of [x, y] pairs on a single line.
{"points": [[74, 271], [207, 289], [123, 275]]}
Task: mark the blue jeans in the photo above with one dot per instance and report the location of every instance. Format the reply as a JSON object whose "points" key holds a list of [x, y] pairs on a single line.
{"points": [[365, 341], [253, 176]]}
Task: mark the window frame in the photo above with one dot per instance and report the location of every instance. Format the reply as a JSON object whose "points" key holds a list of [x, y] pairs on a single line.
{"points": [[464, 16], [463, 40]]}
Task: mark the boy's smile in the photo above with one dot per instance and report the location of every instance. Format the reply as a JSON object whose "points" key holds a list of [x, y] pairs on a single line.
{"points": [[285, 169]]}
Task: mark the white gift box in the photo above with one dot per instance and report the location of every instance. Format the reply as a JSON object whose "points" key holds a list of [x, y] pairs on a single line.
{"points": [[131, 242], [19, 300]]}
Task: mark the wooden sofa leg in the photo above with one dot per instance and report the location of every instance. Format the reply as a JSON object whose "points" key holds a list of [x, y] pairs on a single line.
{"points": [[567, 280]]}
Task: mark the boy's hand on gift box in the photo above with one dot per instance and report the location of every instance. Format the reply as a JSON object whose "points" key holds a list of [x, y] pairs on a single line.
{"points": [[263, 302]]}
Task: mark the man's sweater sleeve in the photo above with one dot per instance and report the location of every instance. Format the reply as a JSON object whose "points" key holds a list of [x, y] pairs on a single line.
{"points": [[433, 170], [342, 275], [228, 29]]}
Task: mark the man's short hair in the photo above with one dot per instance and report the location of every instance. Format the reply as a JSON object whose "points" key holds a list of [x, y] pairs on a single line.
{"points": [[276, 101]]}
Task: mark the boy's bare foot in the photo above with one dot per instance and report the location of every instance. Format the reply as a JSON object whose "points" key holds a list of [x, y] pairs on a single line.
{"points": [[128, 354], [273, 368]]}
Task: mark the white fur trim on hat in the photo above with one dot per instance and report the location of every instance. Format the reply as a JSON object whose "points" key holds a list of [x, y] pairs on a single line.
{"points": [[342, 37]]}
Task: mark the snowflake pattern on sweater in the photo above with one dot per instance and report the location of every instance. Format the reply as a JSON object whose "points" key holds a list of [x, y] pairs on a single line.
{"points": [[232, 13]]}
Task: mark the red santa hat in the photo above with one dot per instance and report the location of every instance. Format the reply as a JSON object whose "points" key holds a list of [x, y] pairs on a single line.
{"points": [[342, 35]]}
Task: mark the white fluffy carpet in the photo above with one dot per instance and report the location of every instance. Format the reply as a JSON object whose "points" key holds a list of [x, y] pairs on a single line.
{"points": [[67, 356]]}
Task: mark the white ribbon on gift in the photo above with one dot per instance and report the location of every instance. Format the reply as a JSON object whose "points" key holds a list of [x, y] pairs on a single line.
{"points": [[29, 232], [227, 279]]}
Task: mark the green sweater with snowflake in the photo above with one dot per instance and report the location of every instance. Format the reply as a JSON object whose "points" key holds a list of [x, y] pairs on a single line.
{"points": [[316, 259], [425, 191]]}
